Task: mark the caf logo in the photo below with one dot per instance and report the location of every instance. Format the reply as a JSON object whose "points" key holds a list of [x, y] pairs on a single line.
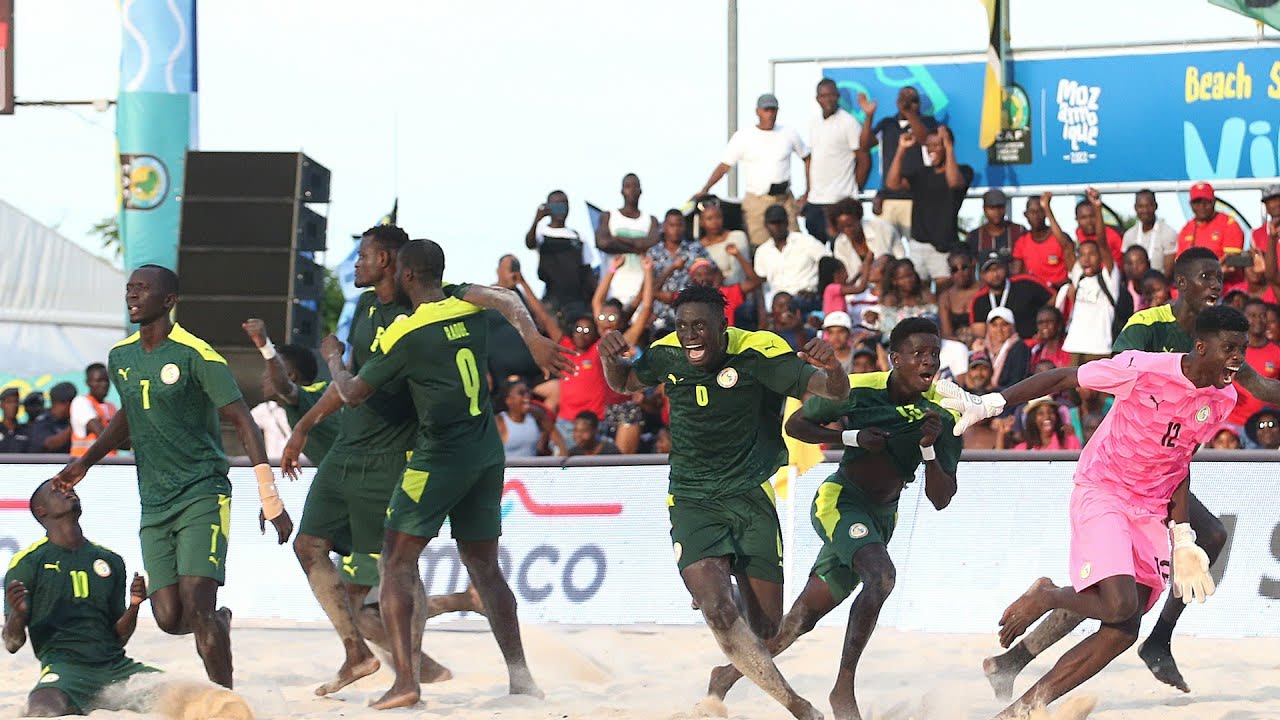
{"points": [[144, 181]]}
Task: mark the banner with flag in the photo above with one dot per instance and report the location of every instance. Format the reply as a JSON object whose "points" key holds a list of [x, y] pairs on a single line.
{"points": [[1264, 11], [347, 278], [993, 85]]}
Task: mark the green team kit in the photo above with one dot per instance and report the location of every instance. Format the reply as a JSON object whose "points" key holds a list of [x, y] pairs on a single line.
{"points": [[842, 513], [75, 597], [1153, 330], [347, 502], [171, 396], [323, 435], [726, 441]]}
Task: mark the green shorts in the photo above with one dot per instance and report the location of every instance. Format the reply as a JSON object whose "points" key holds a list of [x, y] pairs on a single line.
{"points": [[347, 505], [471, 497], [847, 520], [187, 540], [743, 527], [84, 683]]}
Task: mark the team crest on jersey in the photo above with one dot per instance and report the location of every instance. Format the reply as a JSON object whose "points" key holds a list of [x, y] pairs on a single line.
{"points": [[400, 317], [101, 568], [1202, 414], [52, 677], [1086, 570], [857, 531], [169, 374], [678, 549], [727, 378]]}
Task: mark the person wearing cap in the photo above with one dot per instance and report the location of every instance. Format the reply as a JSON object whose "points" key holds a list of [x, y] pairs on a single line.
{"points": [[1023, 295], [13, 435], [839, 166], [1043, 427], [836, 327], [895, 205], [1209, 228], [33, 405], [1263, 429], [51, 432], [1010, 357], [1271, 203], [763, 152], [789, 262], [997, 233], [1152, 234], [1044, 250], [937, 190]]}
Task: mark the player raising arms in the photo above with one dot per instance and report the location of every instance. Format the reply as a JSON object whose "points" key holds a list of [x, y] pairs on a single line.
{"points": [[173, 388], [1133, 474], [726, 387], [891, 423], [437, 355]]}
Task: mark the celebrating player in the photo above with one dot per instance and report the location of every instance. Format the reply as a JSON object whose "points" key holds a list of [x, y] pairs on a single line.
{"points": [[1132, 475], [70, 593], [289, 378], [726, 388], [890, 424], [172, 386]]}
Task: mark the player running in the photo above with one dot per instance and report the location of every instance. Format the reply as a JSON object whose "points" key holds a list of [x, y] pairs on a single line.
{"points": [[1133, 474], [289, 378], [173, 389], [891, 423], [437, 355], [70, 594], [726, 388]]}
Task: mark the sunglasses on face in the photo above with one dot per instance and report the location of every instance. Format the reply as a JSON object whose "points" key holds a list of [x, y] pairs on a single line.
{"points": [[607, 318], [584, 330], [1268, 424]]}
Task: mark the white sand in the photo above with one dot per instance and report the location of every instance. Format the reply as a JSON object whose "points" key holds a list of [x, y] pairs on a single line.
{"points": [[660, 672]]}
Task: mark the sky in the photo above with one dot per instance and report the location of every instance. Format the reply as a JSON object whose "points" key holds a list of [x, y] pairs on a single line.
{"points": [[470, 113]]}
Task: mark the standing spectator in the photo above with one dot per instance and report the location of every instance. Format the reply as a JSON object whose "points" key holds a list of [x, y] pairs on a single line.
{"points": [[837, 166], [509, 358], [91, 413], [896, 204], [1263, 429], [764, 154], [717, 241], [1044, 429], [904, 296], [1262, 356], [954, 301], [51, 432], [622, 416], [1226, 438], [1011, 358], [790, 262], [525, 430], [1210, 228], [1090, 224], [1271, 228], [33, 405], [997, 233], [854, 244], [1136, 266], [586, 437], [1091, 304], [937, 191], [627, 233], [13, 436], [565, 263], [1152, 234], [1023, 295], [671, 259], [1044, 251], [1049, 337]]}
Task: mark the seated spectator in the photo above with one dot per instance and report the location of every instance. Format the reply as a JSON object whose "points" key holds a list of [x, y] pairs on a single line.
{"points": [[864, 361], [980, 435], [1256, 281], [566, 265], [953, 360], [623, 419], [662, 441], [1262, 355], [954, 301], [1088, 408], [1011, 358], [787, 321], [1209, 228], [1089, 218], [13, 435], [937, 191], [526, 431], [872, 282], [833, 279], [1273, 323], [905, 296], [91, 413], [789, 261], [1263, 429], [997, 233], [1153, 235], [1048, 339], [1044, 429], [717, 241], [1136, 266], [33, 405], [1236, 299], [836, 327], [627, 233], [1155, 290], [51, 432], [1023, 295], [1044, 251], [857, 240], [1227, 437], [671, 259], [736, 307], [586, 437], [1090, 304]]}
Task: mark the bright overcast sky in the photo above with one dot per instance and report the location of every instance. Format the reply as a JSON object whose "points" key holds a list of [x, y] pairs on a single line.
{"points": [[493, 103]]}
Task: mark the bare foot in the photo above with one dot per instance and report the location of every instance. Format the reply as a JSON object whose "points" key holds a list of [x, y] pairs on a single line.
{"points": [[1024, 611], [476, 604], [722, 679], [430, 671], [398, 697], [1159, 660], [1002, 670], [348, 674], [804, 710], [711, 706], [224, 615]]}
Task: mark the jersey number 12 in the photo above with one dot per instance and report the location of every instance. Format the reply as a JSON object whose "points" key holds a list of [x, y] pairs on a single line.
{"points": [[1171, 434]]}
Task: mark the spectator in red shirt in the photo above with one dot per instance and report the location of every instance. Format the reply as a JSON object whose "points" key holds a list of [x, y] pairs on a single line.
{"points": [[705, 272], [1089, 220], [1271, 201], [1049, 337], [623, 419], [1261, 355], [1044, 251], [1210, 228], [586, 389]]}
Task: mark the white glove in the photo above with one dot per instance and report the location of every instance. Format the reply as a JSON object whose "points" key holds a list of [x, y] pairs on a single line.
{"points": [[1191, 578], [972, 409]]}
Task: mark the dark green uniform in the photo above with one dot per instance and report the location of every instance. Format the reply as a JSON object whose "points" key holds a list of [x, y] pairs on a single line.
{"points": [[171, 396], [74, 598], [322, 436], [842, 513], [726, 442], [1153, 330], [456, 470]]}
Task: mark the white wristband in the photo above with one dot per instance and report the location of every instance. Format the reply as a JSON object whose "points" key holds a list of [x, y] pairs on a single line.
{"points": [[926, 453], [850, 438], [268, 351]]}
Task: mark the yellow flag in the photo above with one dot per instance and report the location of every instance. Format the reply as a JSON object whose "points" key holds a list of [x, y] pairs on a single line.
{"points": [[993, 87], [802, 455]]}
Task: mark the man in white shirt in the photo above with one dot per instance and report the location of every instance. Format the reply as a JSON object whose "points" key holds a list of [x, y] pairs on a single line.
{"points": [[91, 412], [858, 237], [836, 168], [764, 154], [1153, 234], [630, 233], [790, 262]]}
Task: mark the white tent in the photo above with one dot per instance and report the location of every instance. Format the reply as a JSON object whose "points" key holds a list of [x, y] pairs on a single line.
{"points": [[61, 307]]}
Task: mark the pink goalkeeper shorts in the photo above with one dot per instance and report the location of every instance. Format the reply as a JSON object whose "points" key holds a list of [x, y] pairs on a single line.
{"points": [[1111, 537]]}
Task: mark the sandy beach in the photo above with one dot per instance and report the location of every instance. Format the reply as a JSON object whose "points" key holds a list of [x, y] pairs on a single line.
{"points": [[640, 671]]}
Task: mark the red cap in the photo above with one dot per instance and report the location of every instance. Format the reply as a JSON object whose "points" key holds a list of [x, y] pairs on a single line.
{"points": [[1201, 191]]}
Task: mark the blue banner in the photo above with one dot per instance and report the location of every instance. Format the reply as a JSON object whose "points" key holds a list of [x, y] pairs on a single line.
{"points": [[1171, 116], [155, 125]]}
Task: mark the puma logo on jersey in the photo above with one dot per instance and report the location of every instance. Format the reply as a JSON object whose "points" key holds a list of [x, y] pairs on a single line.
{"points": [[56, 566], [123, 373], [213, 561], [673, 378], [349, 569], [1155, 401]]}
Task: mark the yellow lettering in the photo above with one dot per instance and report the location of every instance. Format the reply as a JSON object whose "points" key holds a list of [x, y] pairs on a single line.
{"points": [[1273, 90], [456, 331], [1244, 83], [1210, 85], [1191, 85]]}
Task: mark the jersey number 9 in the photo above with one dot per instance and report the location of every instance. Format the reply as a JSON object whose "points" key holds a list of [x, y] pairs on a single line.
{"points": [[470, 373]]}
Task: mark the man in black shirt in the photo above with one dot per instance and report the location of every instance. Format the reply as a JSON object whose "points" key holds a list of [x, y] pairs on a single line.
{"points": [[13, 437], [937, 190], [997, 233], [565, 263], [51, 432], [896, 204], [1022, 294]]}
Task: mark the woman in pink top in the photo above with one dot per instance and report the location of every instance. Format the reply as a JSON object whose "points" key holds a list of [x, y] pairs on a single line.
{"points": [[1044, 429]]}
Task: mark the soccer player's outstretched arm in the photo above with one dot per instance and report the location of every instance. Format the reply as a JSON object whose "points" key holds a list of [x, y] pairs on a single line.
{"points": [[973, 408], [1265, 389], [128, 621], [830, 381], [618, 371], [351, 389], [237, 414], [116, 434], [549, 355], [278, 384], [290, 458]]}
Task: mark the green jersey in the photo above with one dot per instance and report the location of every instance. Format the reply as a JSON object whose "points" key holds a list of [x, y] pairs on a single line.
{"points": [[869, 405], [1153, 330], [323, 435], [74, 598], [726, 422], [440, 352], [384, 422], [171, 396]]}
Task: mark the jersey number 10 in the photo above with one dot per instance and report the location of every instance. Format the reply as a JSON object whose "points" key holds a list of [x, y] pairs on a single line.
{"points": [[79, 583]]}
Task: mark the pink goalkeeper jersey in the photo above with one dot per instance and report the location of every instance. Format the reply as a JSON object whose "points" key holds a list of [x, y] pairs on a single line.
{"points": [[1143, 446]]}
